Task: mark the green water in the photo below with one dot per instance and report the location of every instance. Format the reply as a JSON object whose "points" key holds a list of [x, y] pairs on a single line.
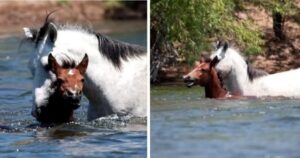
{"points": [[185, 124]]}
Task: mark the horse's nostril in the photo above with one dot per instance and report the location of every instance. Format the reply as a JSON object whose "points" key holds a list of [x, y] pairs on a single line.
{"points": [[71, 93]]}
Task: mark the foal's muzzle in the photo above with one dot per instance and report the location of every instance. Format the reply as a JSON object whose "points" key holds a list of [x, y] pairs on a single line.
{"points": [[73, 98], [189, 82]]}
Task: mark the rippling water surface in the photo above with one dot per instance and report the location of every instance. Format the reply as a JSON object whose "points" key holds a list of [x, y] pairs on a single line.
{"points": [[184, 124], [20, 135]]}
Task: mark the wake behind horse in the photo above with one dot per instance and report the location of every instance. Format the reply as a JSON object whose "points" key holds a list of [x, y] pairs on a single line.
{"points": [[116, 76], [238, 79], [206, 76]]}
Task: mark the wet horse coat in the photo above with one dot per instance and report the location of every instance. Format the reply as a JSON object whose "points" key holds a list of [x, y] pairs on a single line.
{"points": [[116, 77], [237, 79]]}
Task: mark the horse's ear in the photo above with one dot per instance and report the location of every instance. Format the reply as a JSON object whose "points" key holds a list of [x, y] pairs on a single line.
{"points": [[204, 58], [82, 66], [225, 47], [30, 33], [217, 44], [52, 32], [52, 64]]}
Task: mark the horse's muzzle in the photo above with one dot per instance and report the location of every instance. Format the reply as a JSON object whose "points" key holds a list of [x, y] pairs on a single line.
{"points": [[189, 82]]}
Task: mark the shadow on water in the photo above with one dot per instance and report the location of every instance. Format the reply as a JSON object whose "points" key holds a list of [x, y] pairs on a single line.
{"points": [[22, 136], [185, 124]]}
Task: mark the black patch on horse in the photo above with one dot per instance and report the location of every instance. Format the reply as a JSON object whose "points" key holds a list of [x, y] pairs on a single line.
{"points": [[115, 50], [255, 73], [48, 28]]}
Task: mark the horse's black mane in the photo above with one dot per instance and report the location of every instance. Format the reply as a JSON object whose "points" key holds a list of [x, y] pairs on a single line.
{"points": [[255, 73], [115, 50]]}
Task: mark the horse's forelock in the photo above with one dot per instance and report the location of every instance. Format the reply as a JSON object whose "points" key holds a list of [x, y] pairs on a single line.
{"points": [[68, 64]]}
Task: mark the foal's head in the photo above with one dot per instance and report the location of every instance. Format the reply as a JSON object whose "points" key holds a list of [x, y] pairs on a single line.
{"points": [[200, 75], [69, 79], [67, 86]]}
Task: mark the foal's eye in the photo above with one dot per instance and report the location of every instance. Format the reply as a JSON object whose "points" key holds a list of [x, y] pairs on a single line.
{"points": [[203, 70], [82, 80]]}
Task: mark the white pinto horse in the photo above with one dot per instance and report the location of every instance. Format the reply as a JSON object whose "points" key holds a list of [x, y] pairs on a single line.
{"points": [[240, 79], [116, 77]]}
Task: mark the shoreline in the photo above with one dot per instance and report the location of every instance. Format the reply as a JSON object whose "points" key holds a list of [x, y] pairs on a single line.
{"points": [[15, 15], [105, 26]]}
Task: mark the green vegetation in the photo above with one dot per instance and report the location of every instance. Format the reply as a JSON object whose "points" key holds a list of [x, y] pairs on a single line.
{"points": [[63, 2], [195, 24], [189, 27], [113, 4]]}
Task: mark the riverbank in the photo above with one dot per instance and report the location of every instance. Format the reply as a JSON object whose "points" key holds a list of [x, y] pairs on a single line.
{"points": [[14, 15], [277, 55]]}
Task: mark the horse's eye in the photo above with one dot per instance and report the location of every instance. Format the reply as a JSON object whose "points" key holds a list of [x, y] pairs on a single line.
{"points": [[203, 70], [82, 80]]}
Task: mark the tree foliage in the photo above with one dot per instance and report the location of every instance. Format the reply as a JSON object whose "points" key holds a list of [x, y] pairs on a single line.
{"points": [[191, 26]]}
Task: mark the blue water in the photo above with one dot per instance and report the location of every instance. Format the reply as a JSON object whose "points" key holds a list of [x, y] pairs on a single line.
{"points": [[20, 135], [184, 124]]}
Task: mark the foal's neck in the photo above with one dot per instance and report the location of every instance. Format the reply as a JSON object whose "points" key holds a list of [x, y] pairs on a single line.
{"points": [[214, 88]]}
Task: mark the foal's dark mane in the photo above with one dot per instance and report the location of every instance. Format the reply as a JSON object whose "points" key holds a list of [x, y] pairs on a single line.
{"points": [[254, 73]]}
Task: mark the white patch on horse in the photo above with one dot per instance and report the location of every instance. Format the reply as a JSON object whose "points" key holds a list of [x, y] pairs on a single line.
{"points": [[233, 70], [71, 72]]}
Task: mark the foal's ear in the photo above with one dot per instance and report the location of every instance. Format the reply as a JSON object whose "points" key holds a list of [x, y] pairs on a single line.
{"points": [[52, 64], [204, 59], [82, 66]]}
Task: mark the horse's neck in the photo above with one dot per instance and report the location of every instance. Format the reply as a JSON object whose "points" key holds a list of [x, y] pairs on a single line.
{"points": [[238, 80], [214, 88]]}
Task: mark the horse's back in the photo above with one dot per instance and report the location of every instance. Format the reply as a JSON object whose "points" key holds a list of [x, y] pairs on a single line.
{"points": [[279, 84]]}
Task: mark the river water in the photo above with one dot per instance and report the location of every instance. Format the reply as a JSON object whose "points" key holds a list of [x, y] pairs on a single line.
{"points": [[20, 135], [185, 124]]}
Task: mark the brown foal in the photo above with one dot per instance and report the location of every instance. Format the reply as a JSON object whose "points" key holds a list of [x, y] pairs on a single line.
{"points": [[206, 76], [67, 87]]}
